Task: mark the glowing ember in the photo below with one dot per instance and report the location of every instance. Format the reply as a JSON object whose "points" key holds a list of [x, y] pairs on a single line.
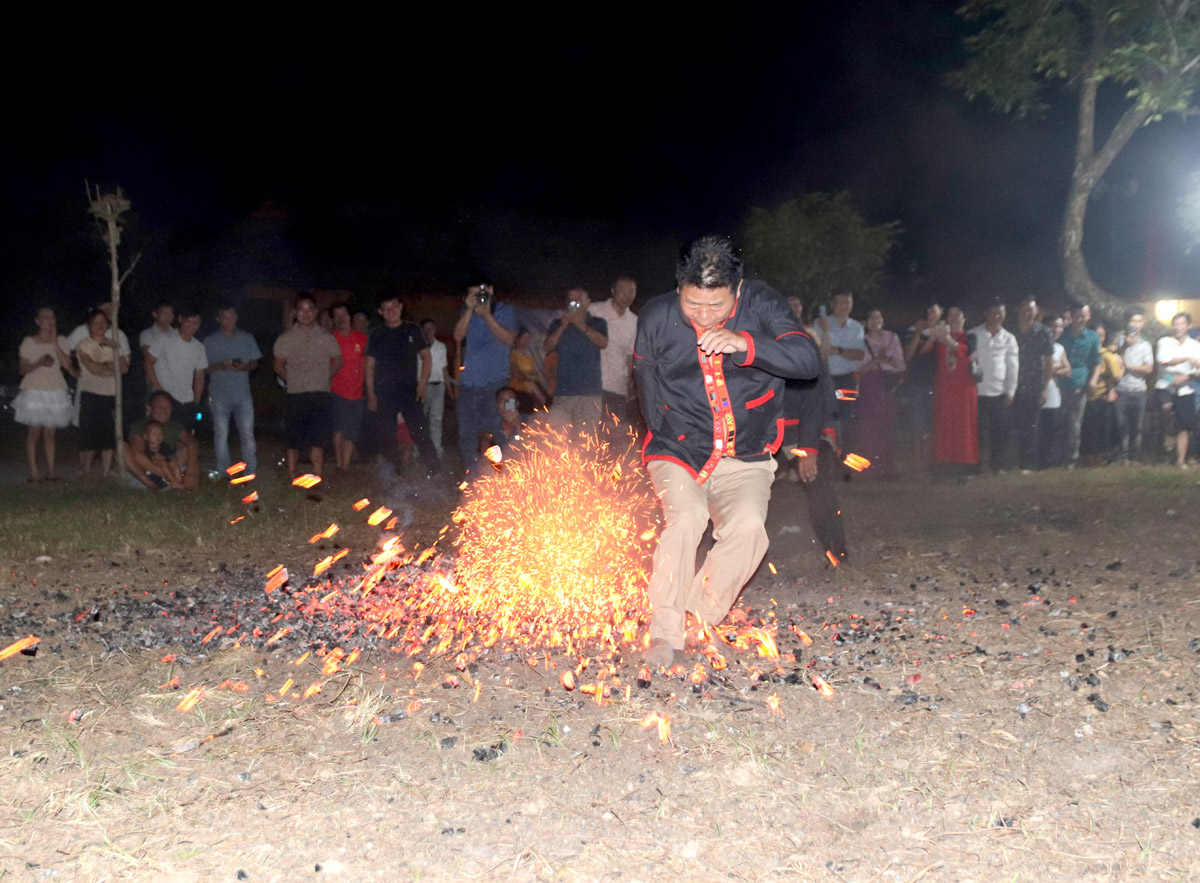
{"points": [[379, 516], [773, 704], [798, 452], [803, 636], [362, 504], [14, 649], [325, 534], [235, 469], [239, 518], [822, 687], [494, 455], [276, 578], [664, 724], [189, 701], [857, 463], [251, 497], [846, 395], [833, 559], [307, 480], [242, 479], [771, 567]]}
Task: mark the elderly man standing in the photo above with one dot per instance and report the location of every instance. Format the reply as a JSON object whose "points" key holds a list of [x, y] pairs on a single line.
{"points": [[616, 359], [997, 355], [711, 360], [579, 339]]}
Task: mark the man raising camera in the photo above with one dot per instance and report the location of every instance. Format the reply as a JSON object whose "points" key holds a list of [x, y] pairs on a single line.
{"points": [[577, 338], [487, 330]]}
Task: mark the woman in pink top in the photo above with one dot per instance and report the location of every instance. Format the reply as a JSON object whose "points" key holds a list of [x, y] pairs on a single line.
{"points": [[43, 404], [878, 374]]}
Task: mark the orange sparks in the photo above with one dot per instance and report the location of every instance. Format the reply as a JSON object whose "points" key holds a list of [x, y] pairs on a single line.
{"points": [[14, 649], [307, 480], [311, 691], [798, 452], [803, 636], [170, 657], [379, 516], [278, 635], [664, 724], [567, 680], [216, 631], [820, 685], [276, 578], [771, 567], [172, 684], [766, 644], [239, 518], [478, 689], [391, 525], [362, 504], [325, 534], [833, 559], [235, 469], [494, 455], [354, 654], [251, 497], [242, 479], [846, 395], [287, 685], [773, 704], [648, 535], [857, 463], [189, 701]]}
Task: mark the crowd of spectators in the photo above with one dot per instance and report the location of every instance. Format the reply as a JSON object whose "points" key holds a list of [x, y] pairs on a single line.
{"points": [[1042, 391]]}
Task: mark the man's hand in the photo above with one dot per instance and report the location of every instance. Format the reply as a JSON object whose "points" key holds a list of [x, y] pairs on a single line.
{"points": [[721, 340], [46, 361], [421, 388], [1008, 400], [807, 467], [372, 402]]}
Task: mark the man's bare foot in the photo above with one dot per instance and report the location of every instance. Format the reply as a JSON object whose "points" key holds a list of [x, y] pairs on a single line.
{"points": [[659, 654]]}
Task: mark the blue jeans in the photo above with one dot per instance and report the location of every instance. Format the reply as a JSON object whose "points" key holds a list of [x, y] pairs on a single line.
{"points": [[242, 411], [477, 413]]}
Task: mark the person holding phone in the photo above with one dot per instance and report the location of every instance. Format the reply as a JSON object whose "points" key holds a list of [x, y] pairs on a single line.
{"points": [[232, 355]]}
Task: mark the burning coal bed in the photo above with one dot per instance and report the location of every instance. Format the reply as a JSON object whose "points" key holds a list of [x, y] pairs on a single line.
{"points": [[544, 590]]}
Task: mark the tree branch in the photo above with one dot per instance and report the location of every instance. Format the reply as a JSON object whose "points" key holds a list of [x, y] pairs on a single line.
{"points": [[137, 257]]}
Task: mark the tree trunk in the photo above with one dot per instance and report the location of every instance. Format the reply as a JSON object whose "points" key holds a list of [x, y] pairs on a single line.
{"points": [[1090, 166], [119, 416]]}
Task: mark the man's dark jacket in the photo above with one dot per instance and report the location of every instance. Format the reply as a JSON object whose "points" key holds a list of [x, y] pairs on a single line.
{"points": [[690, 426]]}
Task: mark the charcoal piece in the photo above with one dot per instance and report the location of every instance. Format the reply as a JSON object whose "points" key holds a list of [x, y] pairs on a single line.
{"points": [[242, 875], [908, 697], [1099, 704], [449, 742], [1116, 565], [1004, 822], [489, 753], [435, 718], [1092, 680]]}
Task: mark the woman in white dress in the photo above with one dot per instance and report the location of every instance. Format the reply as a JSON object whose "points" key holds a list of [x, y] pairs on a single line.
{"points": [[43, 404]]}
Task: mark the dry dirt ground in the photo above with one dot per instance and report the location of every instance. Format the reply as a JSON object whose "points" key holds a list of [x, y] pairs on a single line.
{"points": [[1014, 667]]}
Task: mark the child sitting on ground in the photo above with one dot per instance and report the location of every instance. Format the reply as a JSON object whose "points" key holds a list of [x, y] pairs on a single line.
{"points": [[162, 456]]}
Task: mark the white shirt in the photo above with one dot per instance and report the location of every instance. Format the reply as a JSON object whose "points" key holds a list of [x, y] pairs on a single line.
{"points": [[844, 337], [614, 358], [1169, 348], [153, 334], [997, 357], [1139, 355], [176, 362], [437, 360], [1053, 396]]}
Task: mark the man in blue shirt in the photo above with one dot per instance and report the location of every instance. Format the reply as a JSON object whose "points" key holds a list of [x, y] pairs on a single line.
{"points": [[487, 329], [232, 355], [577, 338], [1082, 346]]}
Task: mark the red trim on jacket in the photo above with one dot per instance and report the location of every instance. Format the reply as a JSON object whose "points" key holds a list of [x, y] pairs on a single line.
{"points": [[749, 348], [786, 333], [761, 400], [788, 422]]}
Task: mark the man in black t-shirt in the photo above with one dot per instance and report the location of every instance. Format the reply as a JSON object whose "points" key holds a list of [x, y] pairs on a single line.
{"points": [[397, 372]]}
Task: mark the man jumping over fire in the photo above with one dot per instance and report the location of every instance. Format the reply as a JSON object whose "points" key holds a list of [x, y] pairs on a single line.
{"points": [[711, 359]]}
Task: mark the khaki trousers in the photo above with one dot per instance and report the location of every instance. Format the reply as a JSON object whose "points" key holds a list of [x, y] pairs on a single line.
{"points": [[735, 497]]}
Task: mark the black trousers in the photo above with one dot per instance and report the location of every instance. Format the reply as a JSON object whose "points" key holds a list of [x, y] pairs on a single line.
{"points": [[820, 495], [381, 428], [993, 432], [1025, 417]]}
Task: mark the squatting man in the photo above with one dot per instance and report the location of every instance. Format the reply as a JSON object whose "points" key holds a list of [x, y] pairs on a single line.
{"points": [[711, 359]]}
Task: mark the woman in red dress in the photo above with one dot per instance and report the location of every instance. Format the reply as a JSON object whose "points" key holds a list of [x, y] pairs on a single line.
{"points": [[955, 406]]}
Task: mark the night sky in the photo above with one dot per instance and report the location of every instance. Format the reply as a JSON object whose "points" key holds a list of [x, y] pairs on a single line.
{"points": [[548, 151]]}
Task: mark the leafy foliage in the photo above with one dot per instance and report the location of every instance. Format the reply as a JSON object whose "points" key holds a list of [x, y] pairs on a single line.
{"points": [[815, 243], [1152, 47]]}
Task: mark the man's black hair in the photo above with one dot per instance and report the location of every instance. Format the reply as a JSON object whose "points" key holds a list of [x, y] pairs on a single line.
{"points": [[1130, 312], [389, 295], [1187, 316], [226, 305], [158, 305], [157, 393], [709, 262], [304, 295], [502, 390], [186, 311]]}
